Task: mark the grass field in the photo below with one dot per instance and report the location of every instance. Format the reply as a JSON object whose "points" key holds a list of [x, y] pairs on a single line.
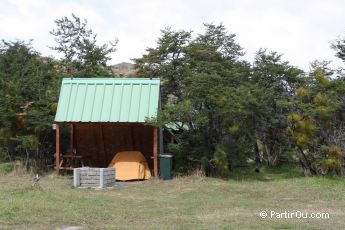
{"points": [[182, 203]]}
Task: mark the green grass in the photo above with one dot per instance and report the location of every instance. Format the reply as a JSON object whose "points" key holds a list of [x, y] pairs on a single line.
{"points": [[182, 203], [6, 168], [286, 171]]}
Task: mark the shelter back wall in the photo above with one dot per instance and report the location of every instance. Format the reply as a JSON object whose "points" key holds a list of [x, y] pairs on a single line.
{"points": [[100, 142]]}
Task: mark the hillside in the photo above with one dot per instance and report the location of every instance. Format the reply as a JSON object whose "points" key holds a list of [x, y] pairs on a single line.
{"points": [[123, 69]]}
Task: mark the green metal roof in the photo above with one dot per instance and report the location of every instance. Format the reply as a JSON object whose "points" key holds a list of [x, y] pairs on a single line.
{"points": [[108, 99]]}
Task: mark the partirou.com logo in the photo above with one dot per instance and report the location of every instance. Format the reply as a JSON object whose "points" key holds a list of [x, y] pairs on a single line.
{"points": [[293, 215]]}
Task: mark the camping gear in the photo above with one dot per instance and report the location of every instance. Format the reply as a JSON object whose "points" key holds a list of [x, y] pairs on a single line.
{"points": [[130, 165], [165, 165]]}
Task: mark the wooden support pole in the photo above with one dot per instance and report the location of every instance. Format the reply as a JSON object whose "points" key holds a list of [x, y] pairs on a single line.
{"points": [[71, 140], [155, 160], [57, 154]]}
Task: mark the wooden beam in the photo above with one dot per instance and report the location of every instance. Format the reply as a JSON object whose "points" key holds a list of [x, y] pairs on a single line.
{"points": [[155, 158], [57, 152]]}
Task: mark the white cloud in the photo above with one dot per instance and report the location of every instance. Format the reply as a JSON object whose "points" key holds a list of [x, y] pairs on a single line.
{"points": [[301, 30]]}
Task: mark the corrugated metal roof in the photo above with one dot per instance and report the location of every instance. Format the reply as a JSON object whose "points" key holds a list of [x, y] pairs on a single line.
{"points": [[108, 99]]}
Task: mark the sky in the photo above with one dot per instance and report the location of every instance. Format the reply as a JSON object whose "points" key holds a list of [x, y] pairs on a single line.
{"points": [[301, 30]]}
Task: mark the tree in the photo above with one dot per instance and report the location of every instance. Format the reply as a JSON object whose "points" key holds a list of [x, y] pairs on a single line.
{"points": [[339, 46], [317, 124], [28, 93], [81, 54], [166, 61], [203, 75], [275, 84]]}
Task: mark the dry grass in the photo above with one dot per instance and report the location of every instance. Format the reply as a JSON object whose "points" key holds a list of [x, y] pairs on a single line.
{"points": [[193, 202]]}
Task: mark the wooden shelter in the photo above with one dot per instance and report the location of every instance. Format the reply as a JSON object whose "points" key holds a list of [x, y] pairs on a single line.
{"points": [[106, 116]]}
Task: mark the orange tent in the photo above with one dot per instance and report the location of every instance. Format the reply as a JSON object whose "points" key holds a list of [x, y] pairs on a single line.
{"points": [[130, 165]]}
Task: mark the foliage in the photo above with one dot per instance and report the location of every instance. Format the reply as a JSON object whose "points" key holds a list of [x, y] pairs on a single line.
{"points": [[166, 61], [339, 46], [317, 126], [275, 84], [29, 85], [224, 112], [210, 75], [28, 90], [227, 112], [220, 161], [81, 54], [227, 106]]}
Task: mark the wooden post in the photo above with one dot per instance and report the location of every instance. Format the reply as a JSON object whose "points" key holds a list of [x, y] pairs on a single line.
{"points": [[57, 154], [155, 162], [71, 140]]}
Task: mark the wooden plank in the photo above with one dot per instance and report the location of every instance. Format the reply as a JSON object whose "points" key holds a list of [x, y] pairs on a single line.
{"points": [[155, 159], [105, 155], [97, 136], [57, 144], [71, 140], [134, 147]]}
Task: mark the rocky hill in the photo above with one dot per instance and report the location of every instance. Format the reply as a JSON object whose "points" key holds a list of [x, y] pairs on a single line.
{"points": [[123, 69]]}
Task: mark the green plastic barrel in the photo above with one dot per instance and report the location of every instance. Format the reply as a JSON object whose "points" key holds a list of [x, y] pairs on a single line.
{"points": [[165, 166]]}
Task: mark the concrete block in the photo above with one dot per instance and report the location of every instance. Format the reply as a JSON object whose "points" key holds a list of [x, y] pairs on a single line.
{"points": [[94, 177], [76, 177]]}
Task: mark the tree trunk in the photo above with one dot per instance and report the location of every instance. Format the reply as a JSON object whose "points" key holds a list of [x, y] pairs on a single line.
{"points": [[27, 160], [306, 165], [257, 153]]}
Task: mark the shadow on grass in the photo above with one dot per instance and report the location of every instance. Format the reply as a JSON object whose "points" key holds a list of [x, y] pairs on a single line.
{"points": [[266, 173]]}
